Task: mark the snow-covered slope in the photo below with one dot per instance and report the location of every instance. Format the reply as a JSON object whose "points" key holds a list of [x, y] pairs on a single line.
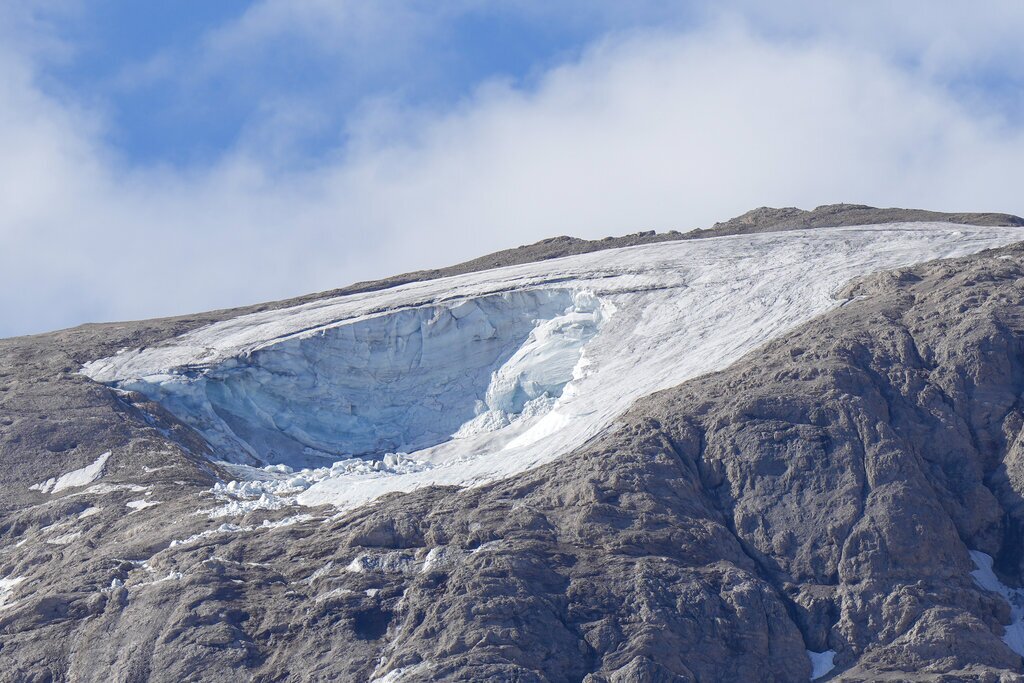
{"points": [[480, 376]]}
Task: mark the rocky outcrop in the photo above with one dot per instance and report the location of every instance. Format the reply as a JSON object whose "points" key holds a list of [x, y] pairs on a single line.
{"points": [[768, 219], [821, 494]]}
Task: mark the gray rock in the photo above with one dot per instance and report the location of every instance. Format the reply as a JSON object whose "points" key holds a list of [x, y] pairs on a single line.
{"points": [[820, 494]]}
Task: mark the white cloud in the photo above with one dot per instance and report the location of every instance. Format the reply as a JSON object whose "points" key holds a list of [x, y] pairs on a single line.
{"points": [[945, 38], [647, 130]]}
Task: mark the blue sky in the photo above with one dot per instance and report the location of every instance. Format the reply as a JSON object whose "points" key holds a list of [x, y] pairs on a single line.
{"points": [[161, 158], [183, 83]]}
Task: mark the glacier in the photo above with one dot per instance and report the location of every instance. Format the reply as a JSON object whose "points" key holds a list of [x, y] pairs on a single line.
{"points": [[392, 382], [480, 376]]}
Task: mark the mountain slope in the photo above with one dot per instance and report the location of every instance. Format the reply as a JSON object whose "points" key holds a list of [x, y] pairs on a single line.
{"points": [[822, 493], [480, 376]]}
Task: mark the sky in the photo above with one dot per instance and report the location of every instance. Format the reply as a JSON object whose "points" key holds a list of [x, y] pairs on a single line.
{"points": [[166, 158]]}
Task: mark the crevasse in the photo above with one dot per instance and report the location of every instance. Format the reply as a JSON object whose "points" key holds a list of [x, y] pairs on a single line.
{"points": [[399, 381]]}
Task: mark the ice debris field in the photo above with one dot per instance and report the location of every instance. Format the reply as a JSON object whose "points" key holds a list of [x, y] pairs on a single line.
{"points": [[472, 378]]}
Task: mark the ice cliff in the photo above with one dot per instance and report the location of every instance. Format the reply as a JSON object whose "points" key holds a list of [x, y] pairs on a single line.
{"points": [[397, 381]]}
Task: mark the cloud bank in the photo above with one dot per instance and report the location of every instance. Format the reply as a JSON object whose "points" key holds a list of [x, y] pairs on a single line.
{"points": [[647, 128]]}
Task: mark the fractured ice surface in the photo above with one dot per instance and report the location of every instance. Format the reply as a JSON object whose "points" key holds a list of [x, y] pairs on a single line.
{"points": [[483, 375], [7, 588], [395, 381]]}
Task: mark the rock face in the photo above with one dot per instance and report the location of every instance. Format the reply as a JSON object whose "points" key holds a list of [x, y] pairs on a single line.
{"points": [[823, 494]]}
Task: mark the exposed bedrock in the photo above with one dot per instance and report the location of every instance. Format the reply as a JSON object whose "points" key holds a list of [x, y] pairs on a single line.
{"points": [[821, 494]]}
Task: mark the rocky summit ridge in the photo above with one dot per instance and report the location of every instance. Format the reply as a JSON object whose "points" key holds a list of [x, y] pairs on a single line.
{"points": [[844, 501]]}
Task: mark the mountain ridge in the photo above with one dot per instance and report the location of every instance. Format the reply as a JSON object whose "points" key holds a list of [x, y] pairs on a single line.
{"points": [[827, 493], [763, 219]]}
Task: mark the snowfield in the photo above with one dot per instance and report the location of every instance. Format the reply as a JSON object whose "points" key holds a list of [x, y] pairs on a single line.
{"points": [[468, 379]]}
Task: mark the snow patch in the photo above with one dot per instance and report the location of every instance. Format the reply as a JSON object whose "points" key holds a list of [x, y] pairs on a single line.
{"points": [[100, 489], [228, 528], [7, 587], [403, 673], [335, 592], [171, 576], [222, 529], [486, 547], [398, 562], [821, 663], [442, 558], [322, 571], [76, 478], [1013, 635], [137, 505], [64, 539]]}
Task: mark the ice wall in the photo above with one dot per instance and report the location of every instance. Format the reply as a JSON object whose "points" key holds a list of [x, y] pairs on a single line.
{"points": [[399, 381]]}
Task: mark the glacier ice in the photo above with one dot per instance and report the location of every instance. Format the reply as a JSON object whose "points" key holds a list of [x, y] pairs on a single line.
{"points": [[483, 375], [76, 478], [7, 587], [397, 381]]}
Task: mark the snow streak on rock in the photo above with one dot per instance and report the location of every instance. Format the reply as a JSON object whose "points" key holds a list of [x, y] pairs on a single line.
{"points": [[484, 375], [987, 579], [821, 663], [7, 587]]}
